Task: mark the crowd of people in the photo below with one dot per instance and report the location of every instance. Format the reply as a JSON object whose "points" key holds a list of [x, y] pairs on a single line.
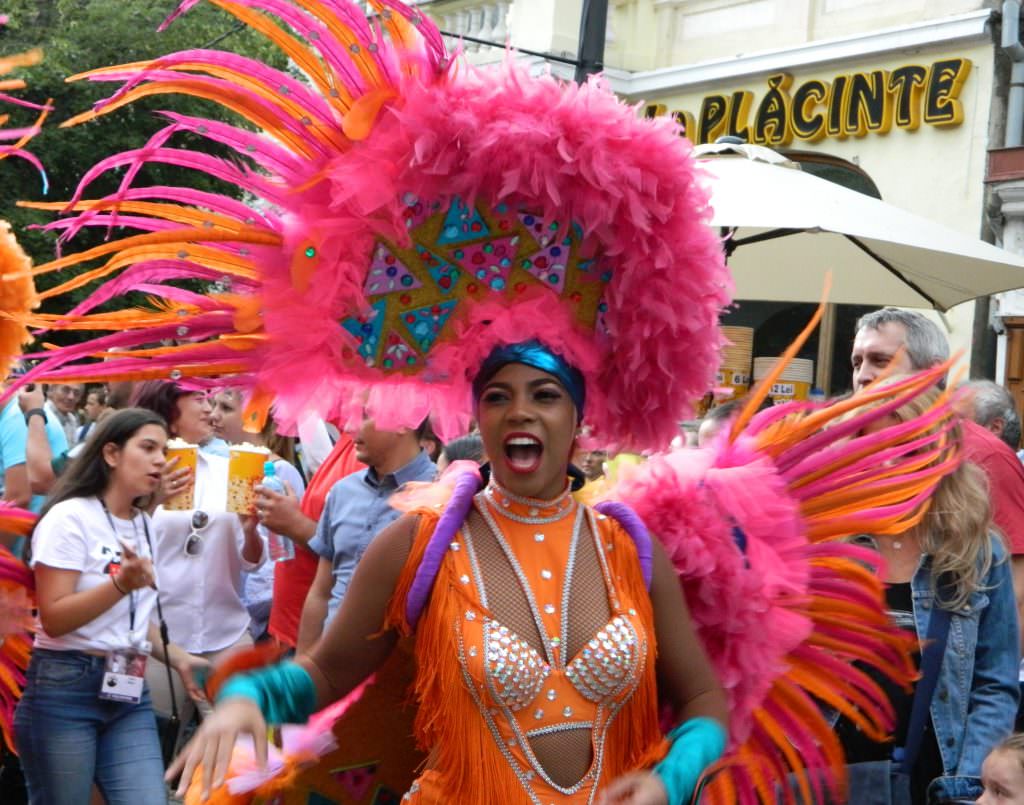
{"points": [[106, 551], [820, 603]]}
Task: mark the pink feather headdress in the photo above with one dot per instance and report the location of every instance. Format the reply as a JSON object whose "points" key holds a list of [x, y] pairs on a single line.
{"points": [[409, 214]]}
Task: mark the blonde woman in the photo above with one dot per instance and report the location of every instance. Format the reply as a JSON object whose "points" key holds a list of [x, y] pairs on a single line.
{"points": [[953, 561]]}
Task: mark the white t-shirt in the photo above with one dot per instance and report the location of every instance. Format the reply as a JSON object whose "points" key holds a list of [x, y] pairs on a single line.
{"points": [[76, 535]]}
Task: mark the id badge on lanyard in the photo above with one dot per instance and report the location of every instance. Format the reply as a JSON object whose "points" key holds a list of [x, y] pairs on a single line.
{"points": [[125, 671], [124, 674]]}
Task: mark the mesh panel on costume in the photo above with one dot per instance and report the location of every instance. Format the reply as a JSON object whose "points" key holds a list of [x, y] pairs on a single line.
{"points": [[565, 756], [505, 597], [588, 602]]}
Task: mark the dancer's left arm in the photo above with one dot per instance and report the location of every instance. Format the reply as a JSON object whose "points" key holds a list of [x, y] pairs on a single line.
{"points": [[686, 680], [685, 676]]}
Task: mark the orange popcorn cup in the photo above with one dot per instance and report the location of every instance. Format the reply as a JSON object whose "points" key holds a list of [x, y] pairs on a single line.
{"points": [[187, 455], [245, 471]]}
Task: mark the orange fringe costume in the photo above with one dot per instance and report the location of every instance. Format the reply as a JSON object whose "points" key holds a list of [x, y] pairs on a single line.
{"points": [[483, 691]]}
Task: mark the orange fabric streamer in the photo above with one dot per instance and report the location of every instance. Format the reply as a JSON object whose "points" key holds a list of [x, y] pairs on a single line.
{"points": [[235, 101]]}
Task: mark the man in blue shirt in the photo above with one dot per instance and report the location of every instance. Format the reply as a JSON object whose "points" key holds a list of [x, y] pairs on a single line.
{"points": [[356, 510], [15, 457], [15, 486], [45, 444]]}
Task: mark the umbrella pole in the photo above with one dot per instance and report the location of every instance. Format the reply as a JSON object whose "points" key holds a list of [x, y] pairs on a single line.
{"points": [[826, 349]]}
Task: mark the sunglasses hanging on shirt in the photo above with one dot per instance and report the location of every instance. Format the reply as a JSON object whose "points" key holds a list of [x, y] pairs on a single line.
{"points": [[194, 542]]}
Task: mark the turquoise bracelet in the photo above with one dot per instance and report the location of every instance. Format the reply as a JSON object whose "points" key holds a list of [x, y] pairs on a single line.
{"points": [[284, 692], [696, 744]]}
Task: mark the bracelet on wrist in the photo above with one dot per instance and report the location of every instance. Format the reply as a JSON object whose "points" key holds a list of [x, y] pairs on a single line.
{"points": [[35, 412], [117, 586]]}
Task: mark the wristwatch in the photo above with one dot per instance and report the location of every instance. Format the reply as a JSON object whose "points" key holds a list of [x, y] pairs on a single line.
{"points": [[34, 412]]}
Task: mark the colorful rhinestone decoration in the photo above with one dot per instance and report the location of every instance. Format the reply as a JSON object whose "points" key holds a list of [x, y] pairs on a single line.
{"points": [[459, 253]]}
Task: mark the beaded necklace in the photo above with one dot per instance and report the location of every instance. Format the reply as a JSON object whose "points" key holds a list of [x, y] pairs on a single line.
{"points": [[539, 512]]}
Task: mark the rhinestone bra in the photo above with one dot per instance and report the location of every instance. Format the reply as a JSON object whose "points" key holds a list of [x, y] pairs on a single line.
{"points": [[523, 692], [603, 667]]}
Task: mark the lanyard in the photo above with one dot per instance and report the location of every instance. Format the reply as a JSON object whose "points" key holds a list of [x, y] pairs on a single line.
{"points": [[132, 596], [175, 720]]}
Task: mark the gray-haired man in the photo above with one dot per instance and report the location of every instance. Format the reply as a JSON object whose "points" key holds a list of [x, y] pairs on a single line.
{"points": [[995, 410], [880, 336]]}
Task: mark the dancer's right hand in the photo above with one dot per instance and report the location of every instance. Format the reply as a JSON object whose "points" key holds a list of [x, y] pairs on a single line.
{"points": [[214, 743]]}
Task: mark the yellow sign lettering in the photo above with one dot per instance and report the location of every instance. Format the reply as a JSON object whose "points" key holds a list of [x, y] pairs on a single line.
{"points": [[848, 105]]}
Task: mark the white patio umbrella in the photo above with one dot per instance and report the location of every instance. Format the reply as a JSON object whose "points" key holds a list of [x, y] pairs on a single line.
{"points": [[790, 228]]}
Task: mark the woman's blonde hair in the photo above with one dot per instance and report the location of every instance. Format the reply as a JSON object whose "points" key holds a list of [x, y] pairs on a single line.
{"points": [[281, 446], [1015, 744], [954, 531]]}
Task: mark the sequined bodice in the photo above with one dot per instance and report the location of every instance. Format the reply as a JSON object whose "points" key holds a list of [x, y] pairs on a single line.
{"points": [[600, 670], [524, 692]]}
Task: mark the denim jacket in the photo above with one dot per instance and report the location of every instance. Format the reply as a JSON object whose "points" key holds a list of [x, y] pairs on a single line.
{"points": [[975, 701]]}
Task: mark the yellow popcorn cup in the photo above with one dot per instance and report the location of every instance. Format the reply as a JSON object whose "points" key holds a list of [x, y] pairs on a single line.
{"points": [[245, 471], [187, 455]]}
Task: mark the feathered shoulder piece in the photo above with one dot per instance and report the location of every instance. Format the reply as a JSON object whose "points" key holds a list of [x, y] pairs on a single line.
{"points": [[17, 602], [405, 214], [792, 616]]}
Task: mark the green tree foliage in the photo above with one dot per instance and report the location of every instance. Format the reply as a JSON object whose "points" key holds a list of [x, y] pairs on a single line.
{"points": [[80, 35]]}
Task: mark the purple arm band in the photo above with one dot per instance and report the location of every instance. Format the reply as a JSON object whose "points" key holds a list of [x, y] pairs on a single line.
{"points": [[448, 525], [636, 529]]}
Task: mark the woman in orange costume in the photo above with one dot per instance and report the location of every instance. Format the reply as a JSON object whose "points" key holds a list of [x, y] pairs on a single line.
{"points": [[540, 646]]}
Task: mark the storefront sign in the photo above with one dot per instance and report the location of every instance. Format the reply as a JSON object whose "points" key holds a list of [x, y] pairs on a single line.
{"points": [[849, 105]]}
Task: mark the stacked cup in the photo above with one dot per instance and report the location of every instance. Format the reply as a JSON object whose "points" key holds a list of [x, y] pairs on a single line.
{"points": [[794, 383], [734, 371], [245, 471]]}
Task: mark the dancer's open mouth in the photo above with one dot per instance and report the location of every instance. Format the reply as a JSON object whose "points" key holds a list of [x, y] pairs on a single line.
{"points": [[523, 452]]}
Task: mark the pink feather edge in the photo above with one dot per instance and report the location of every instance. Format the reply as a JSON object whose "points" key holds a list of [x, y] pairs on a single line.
{"points": [[17, 618], [490, 136], [301, 745], [748, 607]]}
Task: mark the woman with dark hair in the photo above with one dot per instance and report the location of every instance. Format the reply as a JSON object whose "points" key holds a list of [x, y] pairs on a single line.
{"points": [[466, 448], [187, 413], [85, 714], [204, 551]]}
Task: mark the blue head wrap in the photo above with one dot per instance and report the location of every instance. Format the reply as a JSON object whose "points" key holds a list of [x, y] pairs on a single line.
{"points": [[535, 354]]}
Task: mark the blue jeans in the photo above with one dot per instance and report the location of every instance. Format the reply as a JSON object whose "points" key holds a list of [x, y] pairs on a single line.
{"points": [[68, 737]]}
